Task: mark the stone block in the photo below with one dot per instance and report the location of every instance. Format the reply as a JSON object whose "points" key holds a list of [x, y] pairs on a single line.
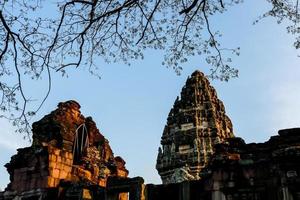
{"points": [[102, 183], [64, 154], [63, 159], [52, 164], [122, 173], [86, 194], [56, 182], [88, 175], [52, 158], [69, 161], [51, 182], [123, 196], [63, 174], [50, 149], [70, 155], [58, 165], [32, 183], [234, 156], [56, 151], [24, 169], [17, 175], [67, 168], [58, 159], [55, 173], [69, 177]]}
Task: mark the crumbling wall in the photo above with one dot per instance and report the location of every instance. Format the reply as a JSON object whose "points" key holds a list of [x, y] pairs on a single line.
{"points": [[66, 147]]}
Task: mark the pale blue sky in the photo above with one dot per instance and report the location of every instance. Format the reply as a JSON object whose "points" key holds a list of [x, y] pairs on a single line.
{"points": [[131, 104]]}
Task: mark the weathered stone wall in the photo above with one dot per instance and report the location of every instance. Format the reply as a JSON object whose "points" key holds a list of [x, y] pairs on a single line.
{"points": [[42, 167], [267, 170], [240, 171], [237, 171], [67, 147]]}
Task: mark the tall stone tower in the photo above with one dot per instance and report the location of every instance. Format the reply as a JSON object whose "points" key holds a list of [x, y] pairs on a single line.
{"points": [[195, 124]]}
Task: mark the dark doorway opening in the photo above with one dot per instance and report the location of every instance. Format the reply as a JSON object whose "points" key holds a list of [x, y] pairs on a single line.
{"points": [[81, 143]]}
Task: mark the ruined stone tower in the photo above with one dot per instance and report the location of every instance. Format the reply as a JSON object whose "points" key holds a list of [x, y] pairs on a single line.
{"points": [[68, 154], [195, 124]]}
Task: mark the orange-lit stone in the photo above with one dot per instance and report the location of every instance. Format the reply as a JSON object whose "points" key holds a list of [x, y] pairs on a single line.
{"points": [[63, 174], [51, 182], [55, 173]]}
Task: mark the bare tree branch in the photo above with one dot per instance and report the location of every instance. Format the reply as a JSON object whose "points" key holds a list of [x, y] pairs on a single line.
{"points": [[112, 30]]}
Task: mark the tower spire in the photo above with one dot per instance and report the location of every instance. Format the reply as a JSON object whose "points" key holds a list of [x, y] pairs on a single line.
{"points": [[195, 124]]}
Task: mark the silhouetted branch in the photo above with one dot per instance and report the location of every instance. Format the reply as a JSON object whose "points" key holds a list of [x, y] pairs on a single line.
{"points": [[113, 30]]}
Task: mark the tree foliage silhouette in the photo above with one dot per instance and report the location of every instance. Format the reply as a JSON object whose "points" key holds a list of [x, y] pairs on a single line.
{"points": [[35, 46]]}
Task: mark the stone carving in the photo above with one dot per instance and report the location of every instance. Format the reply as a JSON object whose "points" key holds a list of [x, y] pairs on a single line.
{"points": [[182, 174], [195, 124]]}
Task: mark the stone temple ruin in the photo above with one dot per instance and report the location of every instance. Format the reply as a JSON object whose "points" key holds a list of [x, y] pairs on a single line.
{"points": [[199, 158], [195, 124], [67, 149]]}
